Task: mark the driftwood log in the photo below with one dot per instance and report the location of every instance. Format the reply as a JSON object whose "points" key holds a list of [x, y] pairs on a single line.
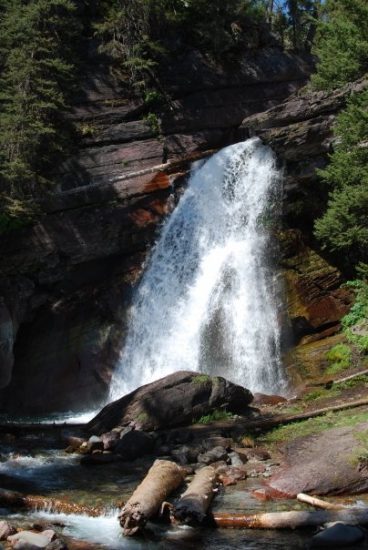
{"points": [[13, 499], [194, 503], [319, 503], [290, 520], [161, 480]]}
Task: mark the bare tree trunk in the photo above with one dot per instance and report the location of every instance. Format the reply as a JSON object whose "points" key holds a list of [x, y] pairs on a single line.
{"points": [[161, 480], [290, 520], [195, 501], [319, 503]]}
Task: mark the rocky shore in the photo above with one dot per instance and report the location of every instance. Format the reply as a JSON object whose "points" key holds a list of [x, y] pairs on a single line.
{"points": [[320, 455]]}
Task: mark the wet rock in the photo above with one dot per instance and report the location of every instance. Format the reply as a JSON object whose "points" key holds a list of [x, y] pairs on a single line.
{"points": [[95, 444], [27, 540], [256, 454], [338, 535], [185, 454], [176, 399], [6, 529], [218, 441], [230, 475], [255, 469], [242, 454], [74, 442], [109, 440], [134, 444], [213, 455], [325, 463], [236, 459]]}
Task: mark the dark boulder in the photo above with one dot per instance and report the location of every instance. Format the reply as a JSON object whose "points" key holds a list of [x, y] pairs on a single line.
{"points": [[338, 535], [174, 400], [134, 444]]}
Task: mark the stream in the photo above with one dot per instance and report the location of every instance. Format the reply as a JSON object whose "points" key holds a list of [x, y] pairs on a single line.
{"points": [[35, 462]]}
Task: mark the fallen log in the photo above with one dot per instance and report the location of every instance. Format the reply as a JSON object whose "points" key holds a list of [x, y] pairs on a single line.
{"points": [[194, 503], [347, 378], [273, 422], [290, 520], [161, 480], [13, 499], [318, 502]]}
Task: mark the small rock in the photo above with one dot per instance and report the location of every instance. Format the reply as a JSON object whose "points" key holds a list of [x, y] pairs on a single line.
{"points": [[232, 475], [213, 455], [24, 540], [256, 469], [185, 454], [124, 431], [134, 444], [263, 494], [218, 441], [236, 459], [6, 530], [337, 535], [95, 443], [110, 439], [257, 454], [83, 449], [74, 442]]}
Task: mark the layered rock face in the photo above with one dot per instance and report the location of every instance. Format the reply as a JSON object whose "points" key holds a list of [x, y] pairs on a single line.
{"points": [[66, 282]]}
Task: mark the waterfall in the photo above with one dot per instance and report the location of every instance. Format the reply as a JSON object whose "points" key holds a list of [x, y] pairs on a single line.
{"points": [[208, 300]]}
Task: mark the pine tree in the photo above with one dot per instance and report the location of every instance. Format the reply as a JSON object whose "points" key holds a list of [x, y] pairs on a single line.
{"points": [[344, 226], [36, 49], [341, 43]]}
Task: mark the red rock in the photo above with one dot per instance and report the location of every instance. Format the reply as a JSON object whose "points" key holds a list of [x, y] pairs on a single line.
{"points": [[231, 475], [325, 463], [268, 493], [142, 217]]}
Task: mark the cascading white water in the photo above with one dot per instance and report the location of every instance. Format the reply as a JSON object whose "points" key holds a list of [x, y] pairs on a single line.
{"points": [[208, 298]]}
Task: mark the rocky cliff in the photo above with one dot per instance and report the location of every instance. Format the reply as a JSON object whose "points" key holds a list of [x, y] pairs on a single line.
{"points": [[66, 282]]}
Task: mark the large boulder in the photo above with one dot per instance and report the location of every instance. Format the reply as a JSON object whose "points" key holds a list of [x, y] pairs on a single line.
{"points": [[332, 462], [174, 400]]}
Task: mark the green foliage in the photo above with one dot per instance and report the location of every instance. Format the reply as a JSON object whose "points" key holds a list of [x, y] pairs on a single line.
{"points": [[353, 383], [339, 357], [355, 323], [341, 43], [153, 98], [201, 379], [218, 414], [344, 226], [138, 35], [154, 122], [36, 72], [322, 393], [359, 310], [314, 425]]}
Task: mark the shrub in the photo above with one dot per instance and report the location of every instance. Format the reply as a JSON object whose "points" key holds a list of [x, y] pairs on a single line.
{"points": [[339, 358]]}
